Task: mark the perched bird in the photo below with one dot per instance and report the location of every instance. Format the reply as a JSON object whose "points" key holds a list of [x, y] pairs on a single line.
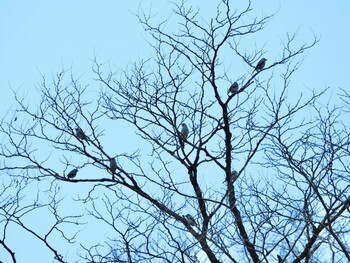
{"points": [[190, 220], [260, 65], [72, 174], [184, 131], [234, 175], [184, 134], [81, 135], [112, 166], [280, 260], [233, 88]]}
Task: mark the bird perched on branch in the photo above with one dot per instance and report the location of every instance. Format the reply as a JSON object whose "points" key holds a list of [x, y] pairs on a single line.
{"points": [[190, 220], [260, 65], [112, 166], [72, 174], [184, 134], [81, 135], [234, 175], [233, 88]]}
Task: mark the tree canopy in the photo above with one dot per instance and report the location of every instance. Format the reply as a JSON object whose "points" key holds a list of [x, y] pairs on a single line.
{"points": [[261, 174]]}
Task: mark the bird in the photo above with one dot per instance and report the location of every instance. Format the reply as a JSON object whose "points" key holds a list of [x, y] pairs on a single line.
{"points": [[184, 131], [280, 260], [72, 174], [233, 88], [234, 175], [190, 220], [184, 134], [112, 166], [260, 65], [81, 135]]}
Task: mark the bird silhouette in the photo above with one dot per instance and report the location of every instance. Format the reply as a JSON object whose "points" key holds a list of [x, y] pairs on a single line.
{"points": [[81, 135], [72, 174], [234, 175], [260, 65], [190, 220], [112, 166], [184, 134], [233, 88]]}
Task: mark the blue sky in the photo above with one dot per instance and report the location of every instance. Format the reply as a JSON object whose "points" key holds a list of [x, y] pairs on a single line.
{"points": [[42, 36], [46, 35]]}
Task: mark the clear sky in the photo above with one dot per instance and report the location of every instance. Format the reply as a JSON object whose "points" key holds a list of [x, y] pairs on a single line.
{"points": [[41, 36]]}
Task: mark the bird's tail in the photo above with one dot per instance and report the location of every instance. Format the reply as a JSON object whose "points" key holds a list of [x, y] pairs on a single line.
{"points": [[182, 144]]}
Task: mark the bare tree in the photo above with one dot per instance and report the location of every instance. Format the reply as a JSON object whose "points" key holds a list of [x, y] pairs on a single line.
{"points": [[19, 209], [255, 180]]}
